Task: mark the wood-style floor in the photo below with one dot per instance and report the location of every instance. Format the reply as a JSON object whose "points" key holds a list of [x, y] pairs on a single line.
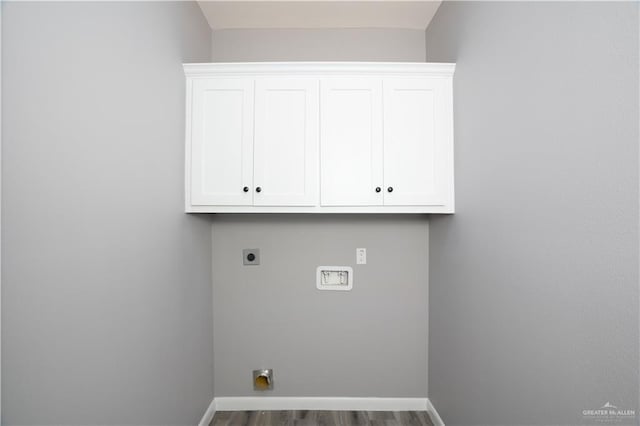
{"points": [[321, 418]]}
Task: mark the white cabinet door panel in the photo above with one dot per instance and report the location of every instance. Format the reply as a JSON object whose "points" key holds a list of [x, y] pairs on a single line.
{"points": [[221, 141], [286, 142], [351, 141], [413, 149]]}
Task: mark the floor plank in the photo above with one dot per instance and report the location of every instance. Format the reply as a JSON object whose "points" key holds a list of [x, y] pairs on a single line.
{"points": [[321, 418]]}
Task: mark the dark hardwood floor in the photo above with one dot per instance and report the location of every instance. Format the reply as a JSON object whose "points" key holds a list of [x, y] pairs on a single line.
{"points": [[321, 418]]}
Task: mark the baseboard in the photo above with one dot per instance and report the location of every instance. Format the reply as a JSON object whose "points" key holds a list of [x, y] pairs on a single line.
{"points": [[435, 417], [319, 403], [208, 415]]}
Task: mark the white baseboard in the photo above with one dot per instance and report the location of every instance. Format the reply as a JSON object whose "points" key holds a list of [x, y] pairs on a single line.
{"points": [[208, 415], [267, 403], [435, 417], [319, 403]]}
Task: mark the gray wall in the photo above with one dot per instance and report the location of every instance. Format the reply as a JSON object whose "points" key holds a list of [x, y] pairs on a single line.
{"points": [[106, 304], [534, 280], [261, 45], [371, 341]]}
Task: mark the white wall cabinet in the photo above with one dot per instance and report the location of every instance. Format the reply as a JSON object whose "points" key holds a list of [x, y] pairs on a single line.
{"points": [[417, 142], [254, 142], [319, 138], [285, 168], [221, 157], [351, 142]]}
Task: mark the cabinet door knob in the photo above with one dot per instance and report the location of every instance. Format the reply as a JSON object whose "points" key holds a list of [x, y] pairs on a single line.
{"points": [[245, 189], [258, 189], [390, 189], [378, 189]]}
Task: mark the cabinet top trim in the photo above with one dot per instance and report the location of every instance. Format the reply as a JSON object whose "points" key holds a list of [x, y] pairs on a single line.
{"points": [[319, 68]]}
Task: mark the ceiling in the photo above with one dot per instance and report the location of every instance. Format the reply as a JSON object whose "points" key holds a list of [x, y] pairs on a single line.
{"points": [[232, 14]]}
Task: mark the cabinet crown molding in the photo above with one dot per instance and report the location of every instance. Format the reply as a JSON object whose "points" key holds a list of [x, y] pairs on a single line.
{"points": [[319, 69]]}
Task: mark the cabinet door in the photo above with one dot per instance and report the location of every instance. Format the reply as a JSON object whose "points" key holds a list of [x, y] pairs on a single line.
{"points": [[286, 142], [351, 142], [221, 141], [416, 114]]}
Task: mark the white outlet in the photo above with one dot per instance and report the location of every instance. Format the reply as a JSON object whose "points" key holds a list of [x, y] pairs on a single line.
{"points": [[361, 256]]}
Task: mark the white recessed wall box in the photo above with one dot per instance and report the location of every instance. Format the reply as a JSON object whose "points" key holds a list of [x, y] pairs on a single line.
{"points": [[334, 278]]}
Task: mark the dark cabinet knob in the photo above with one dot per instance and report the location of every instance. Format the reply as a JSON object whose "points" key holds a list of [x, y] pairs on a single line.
{"points": [[378, 189], [390, 189], [245, 189], [258, 189]]}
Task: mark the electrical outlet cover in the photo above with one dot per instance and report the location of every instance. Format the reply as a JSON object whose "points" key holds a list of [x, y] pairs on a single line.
{"points": [[361, 256]]}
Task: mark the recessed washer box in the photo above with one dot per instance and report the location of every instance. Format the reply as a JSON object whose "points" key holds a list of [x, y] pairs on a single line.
{"points": [[334, 278]]}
